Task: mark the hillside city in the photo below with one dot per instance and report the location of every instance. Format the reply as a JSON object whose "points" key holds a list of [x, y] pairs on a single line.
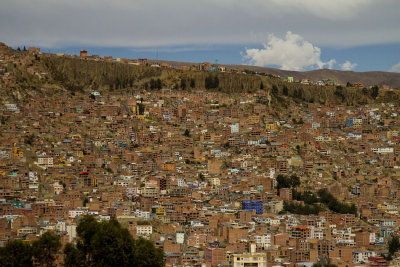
{"points": [[213, 179]]}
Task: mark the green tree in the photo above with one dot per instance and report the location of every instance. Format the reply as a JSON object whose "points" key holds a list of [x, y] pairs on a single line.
{"points": [[187, 133], [275, 90], [73, 256], [208, 82], [107, 243], [211, 82], [45, 249], [285, 90], [287, 182], [201, 177], [29, 139], [86, 229], [294, 181], [152, 84], [375, 92], [216, 82], [301, 209], [340, 93], [393, 244], [183, 84], [158, 84], [283, 181], [146, 256], [119, 250], [192, 83], [261, 86], [335, 205], [16, 253]]}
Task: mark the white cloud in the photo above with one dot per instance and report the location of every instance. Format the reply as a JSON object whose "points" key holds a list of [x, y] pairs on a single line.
{"points": [[396, 68], [330, 63], [348, 65], [290, 53]]}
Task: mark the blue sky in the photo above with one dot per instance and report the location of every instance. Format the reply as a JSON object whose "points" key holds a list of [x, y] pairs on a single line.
{"points": [[359, 35]]}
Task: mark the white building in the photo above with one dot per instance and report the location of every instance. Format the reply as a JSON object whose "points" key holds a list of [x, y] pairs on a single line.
{"points": [[12, 108], [70, 229], [181, 182], [362, 256], [388, 222], [131, 191], [316, 233], [263, 240], [180, 237], [383, 150], [234, 128], [45, 161], [144, 230], [142, 214], [77, 212], [372, 238], [122, 183]]}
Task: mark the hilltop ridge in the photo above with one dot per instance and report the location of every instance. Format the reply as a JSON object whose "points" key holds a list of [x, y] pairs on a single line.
{"points": [[370, 78]]}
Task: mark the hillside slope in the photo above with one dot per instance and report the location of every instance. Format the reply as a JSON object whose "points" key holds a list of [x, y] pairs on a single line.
{"points": [[29, 73], [78, 74]]}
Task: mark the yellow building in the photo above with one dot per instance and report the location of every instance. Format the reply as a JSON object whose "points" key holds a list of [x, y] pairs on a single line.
{"points": [[135, 110], [159, 211], [18, 152], [248, 259], [270, 127], [357, 123], [390, 134]]}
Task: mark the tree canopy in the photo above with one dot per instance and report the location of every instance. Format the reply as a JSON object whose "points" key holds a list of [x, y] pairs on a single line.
{"points": [[183, 84], [314, 203], [45, 248], [393, 244], [20, 253], [211, 82], [16, 253], [335, 205], [287, 182], [107, 243]]}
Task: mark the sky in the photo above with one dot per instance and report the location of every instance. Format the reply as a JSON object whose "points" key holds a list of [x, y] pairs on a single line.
{"points": [[358, 35]]}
